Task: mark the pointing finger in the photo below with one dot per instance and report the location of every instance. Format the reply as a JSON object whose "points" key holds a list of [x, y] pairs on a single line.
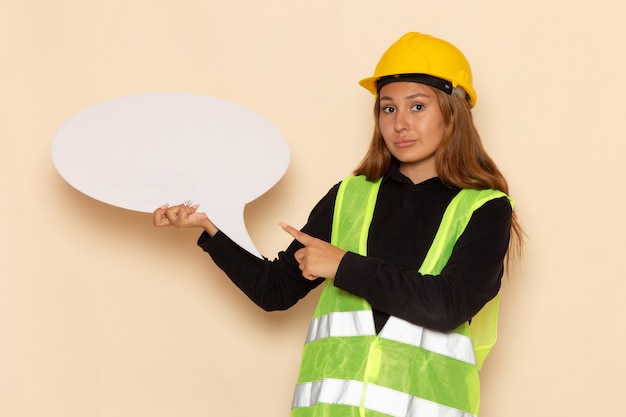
{"points": [[296, 234]]}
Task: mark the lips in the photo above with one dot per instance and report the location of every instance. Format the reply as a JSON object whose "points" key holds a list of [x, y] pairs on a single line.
{"points": [[404, 142]]}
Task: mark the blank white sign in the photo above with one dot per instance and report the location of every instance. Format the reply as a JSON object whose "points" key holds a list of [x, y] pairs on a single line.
{"points": [[139, 152]]}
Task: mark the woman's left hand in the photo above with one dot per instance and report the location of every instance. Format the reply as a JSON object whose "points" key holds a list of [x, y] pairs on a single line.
{"points": [[317, 258]]}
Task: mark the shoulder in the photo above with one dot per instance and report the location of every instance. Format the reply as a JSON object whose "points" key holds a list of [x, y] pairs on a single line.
{"points": [[320, 217], [494, 211], [500, 203]]}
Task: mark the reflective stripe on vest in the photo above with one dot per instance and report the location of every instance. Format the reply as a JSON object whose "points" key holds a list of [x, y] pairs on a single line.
{"points": [[380, 399], [360, 323], [348, 370]]}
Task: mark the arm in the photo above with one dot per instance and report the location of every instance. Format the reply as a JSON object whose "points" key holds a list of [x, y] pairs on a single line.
{"points": [[469, 280], [271, 284]]}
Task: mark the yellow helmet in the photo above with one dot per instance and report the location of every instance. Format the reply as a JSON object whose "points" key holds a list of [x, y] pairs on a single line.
{"points": [[425, 59]]}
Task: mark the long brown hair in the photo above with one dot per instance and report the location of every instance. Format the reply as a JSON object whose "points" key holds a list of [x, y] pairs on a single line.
{"points": [[461, 160]]}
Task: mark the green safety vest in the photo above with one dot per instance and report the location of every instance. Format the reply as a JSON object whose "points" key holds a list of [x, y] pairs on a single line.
{"points": [[406, 370]]}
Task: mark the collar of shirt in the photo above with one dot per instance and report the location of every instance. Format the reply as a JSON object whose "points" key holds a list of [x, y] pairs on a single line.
{"points": [[394, 174]]}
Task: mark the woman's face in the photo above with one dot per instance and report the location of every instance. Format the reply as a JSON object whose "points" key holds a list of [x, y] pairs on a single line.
{"points": [[412, 127]]}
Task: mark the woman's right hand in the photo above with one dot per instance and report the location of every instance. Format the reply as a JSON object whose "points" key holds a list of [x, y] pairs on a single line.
{"points": [[182, 216]]}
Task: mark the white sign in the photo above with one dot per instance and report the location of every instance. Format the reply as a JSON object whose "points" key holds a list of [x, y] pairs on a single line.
{"points": [[142, 151]]}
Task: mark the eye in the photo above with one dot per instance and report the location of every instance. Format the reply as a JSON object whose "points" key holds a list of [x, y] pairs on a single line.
{"points": [[387, 109], [417, 107]]}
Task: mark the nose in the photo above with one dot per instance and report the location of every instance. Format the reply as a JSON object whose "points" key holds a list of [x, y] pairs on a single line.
{"points": [[401, 122]]}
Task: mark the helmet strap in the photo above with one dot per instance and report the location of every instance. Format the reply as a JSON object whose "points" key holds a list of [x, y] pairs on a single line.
{"points": [[429, 80]]}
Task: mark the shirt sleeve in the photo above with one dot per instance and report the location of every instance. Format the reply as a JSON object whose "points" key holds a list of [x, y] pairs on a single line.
{"points": [[469, 280], [275, 284]]}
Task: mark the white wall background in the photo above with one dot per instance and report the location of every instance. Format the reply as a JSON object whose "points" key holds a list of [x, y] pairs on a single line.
{"points": [[103, 315]]}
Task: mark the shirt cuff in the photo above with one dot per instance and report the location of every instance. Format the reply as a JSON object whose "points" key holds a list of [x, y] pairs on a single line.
{"points": [[206, 242], [351, 267]]}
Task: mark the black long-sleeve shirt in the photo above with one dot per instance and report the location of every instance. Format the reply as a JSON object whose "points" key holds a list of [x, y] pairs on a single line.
{"points": [[404, 224]]}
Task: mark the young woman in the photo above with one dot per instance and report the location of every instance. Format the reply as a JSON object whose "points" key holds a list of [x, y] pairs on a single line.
{"points": [[411, 251]]}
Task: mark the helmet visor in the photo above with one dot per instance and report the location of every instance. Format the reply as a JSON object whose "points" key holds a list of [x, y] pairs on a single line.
{"points": [[429, 80]]}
